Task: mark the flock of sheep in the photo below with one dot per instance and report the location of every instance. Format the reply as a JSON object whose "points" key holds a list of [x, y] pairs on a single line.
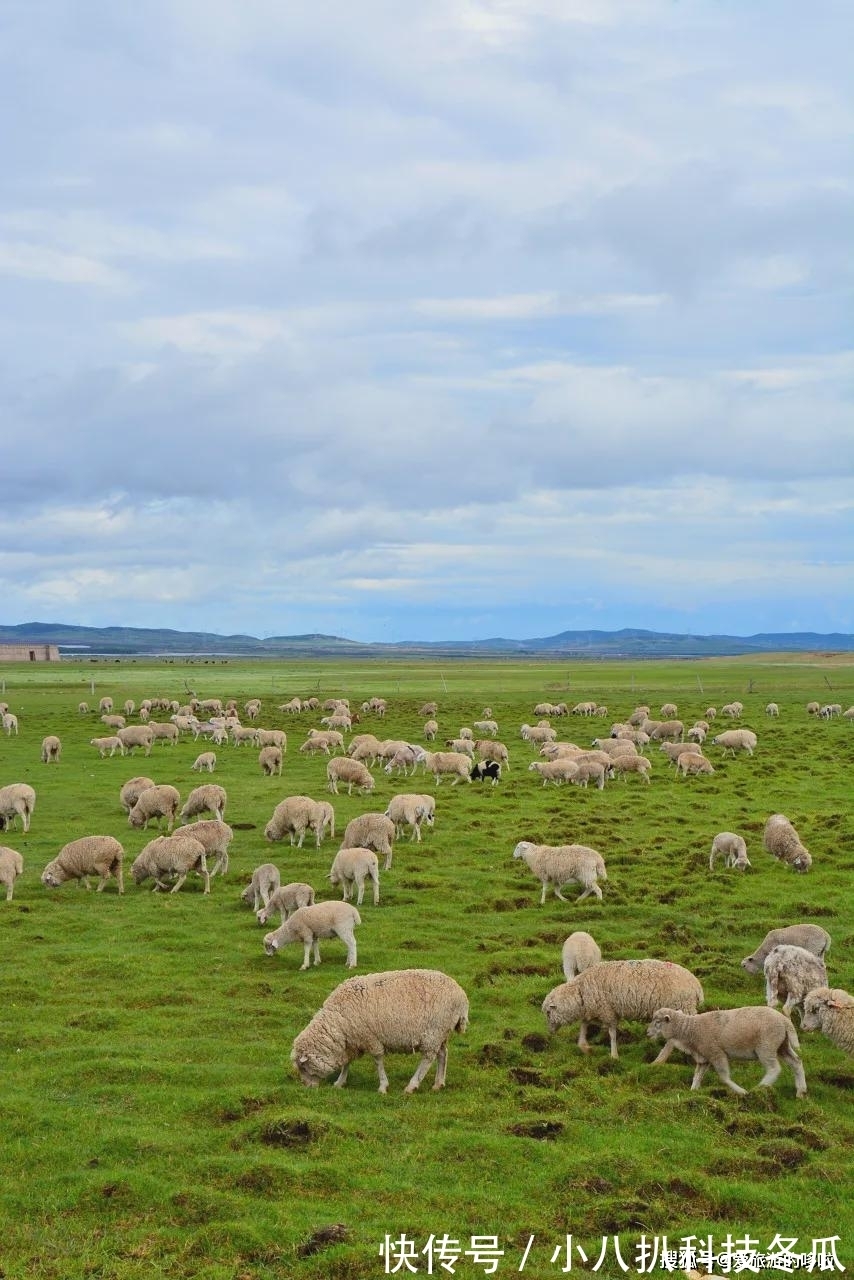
{"points": [[417, 1010]]}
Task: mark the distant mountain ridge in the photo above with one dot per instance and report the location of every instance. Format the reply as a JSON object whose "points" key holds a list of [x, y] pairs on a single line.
{"points": [[628, 642]]}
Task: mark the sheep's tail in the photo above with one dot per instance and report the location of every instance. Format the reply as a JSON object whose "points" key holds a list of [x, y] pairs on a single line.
{"points": [[463, 1021], [793, 1044]]}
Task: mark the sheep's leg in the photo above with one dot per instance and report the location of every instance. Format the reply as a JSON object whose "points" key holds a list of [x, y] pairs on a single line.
{"points": [[612, 1035], [306, 958], [441, 1066], [558, 894], [361, 893], [342, 1076], [387, 862], [8, 892], [383, 1078], [206, 876], [350, 942], [582, 1039], [772, 1067], [420, 1072], [376, 884], [585, 894], [700, 1070], [543, 894], [665, 1053], [85, 880], [179, 882], [721, 1065], [791, 1059]]}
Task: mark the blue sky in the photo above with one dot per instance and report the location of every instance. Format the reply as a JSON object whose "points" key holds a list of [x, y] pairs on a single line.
{"points": [[441, 320]]}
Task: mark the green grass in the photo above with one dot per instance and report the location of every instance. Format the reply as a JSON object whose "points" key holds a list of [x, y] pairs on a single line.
{"points": [[151, 1121]]}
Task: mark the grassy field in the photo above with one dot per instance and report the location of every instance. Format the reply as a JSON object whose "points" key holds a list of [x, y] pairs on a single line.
{"points": [[152, 1125]]}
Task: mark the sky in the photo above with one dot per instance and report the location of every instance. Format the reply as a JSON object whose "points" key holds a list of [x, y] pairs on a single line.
{"points": [[449, 319]]}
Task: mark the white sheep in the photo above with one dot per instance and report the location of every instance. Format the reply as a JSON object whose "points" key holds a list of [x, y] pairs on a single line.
{"points": [[463, 746], [711, 1039], [428, 709], [51, 749], [292, 817], [537, 734], [160, 801], [809, 936], [404, 759], [731, 709], [736, 740], [590, 771], [206, 762], [401, 1011], [772, 709], [489, 749], [10, 723], [557, 865], [175, 855], [615, 989], [693, 764], [270, 760], [486, 726], [790, 974], [110, 743], [83, 708], [292, 708], [215, 836], [831, 1010], [17, 800], [209, 798], [370, 831], [272, 738], [102, 856], [309, 924], [11, 866], [265, 880], [351, 868], [625, 764], [410, 809], [287, 899], [668, 731], [558, 771], [697, 733], [782, 841], [241, 734], [615, 746], [106, 704], [352, 772], [580, 951], [450, 763], [669, 710], [114, 722], [431, 728], [673, 750], [136, 735], [732, 848]]}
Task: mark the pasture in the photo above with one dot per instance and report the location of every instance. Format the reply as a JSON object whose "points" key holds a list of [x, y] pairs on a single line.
{"points": [[152, 1124]]}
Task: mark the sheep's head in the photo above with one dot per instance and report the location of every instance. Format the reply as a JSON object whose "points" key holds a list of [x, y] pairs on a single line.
{"points": [[271, 944], [563, 1005], [661, 1027], [52, 876], [311, 1066], [522, 848], [802, 862], [752, 964]]}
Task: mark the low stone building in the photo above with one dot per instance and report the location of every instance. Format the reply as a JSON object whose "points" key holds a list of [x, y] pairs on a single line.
{"points": [[29, 653]]}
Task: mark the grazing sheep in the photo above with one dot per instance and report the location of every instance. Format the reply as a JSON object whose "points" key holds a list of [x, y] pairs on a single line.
{"points": [[732, 848], [241, 734], [489, 749], [668, 731], [782, 840], [591, 771], [205, 799], [265, 880], [132, 790], [486, 726], [669, 711], [272, 738], [9, 722], [155, 802], [351, 772], [111, 744], [401, 1011], [831, 1010], [365, 747], [731, 709], [673, 750], [693, 764], [409, 809], [461, 745], [253, 708], [83, 708], [216, 836], [736, 740], [813, 708], [114, 722], [455, 763], [580, 951], [136, 735], [175, 855], [615, 746], [557, 865], [351, 868], [89, 856], [558, 771], [287, 899], [792, 972], [326, 819], [615, 989], [809, 936], [429, 709], [625, 765], [697, 733], [11, 866], [537, 734], [270, 760], [772, 709], [829, 710], [292, 708], [404, 759], [431, 728], [51, 749], [17, 800], [370, 831], [486, 770], [206, 762], [106, 704], [309, 924], [292, 817], [711, 1039]]}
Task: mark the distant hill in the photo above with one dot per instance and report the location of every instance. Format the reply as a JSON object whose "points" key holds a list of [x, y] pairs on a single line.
{"points": [[629, 642]]}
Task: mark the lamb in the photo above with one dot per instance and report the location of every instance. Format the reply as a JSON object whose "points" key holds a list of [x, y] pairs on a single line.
{"points": [[17, 800], [370, 831], [83, 708], [782, 840], [673, 750], [337, 722], [809, 936], [176, 855], [106, 704], [488, 749], [155, 802], [265, 880], [772, 709], [440, 763], [830, 1010], [736, 740], [365, 747], [558, 771], [486, 770], [11, 866], [287, 899], [353, 772], [591, 771], [292, 817], [215, 836], [51, 749], [813, 708], [697, 733], [710, 713], [206, 762], [487, 726], [253, 708], [132, 790], [463, 745], [402, 760], [272, 738], [111, 744], [326, 819], [270, 760], [431, 728], [711, 1039], [792, 972], [693, 764], [9, 722], [90, 855], [136, 735], [465, 732], [410, 809], [399, 1011], [557, 865], [731, 709], [129, 707], [537, 734], [631, 764], [292, 708], [669, 711], [615, 989], [351, 868], [732, 848], [205, 799], [580, 951], [309, 924], [241, 734]]}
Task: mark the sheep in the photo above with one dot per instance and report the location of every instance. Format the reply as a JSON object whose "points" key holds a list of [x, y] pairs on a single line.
{"points": [[486, 770], [731, 709], [337, 722], [638, 716], [829, 710], [772, 709], [465, 732], [813, 708], [352, 772], [136, 735], [710, 713], [668, 731], [809, 936], [591, 771], [440, 763], [732, 848], [265, 880], [292, 817], [399, 1011], [129, 707], [673, 750], [462, 745], [831, 1010], [241, 734], [557, 865], [9, 722], [792, 972], [111, 744], [848, 715], [106, 704], [431, 728], [51, 749], [17, 800], [693, 764], [583, 709], [114, 722], [370, 831], [615, 989], [216, 836], [272, 738], [782, 840], [697, 733], [287, 899], [711, 1039], [615, 746], [90, 855], [205, 799], [580, 951], [206, 762], [132, 790], [292, 708], [325, 740], [537, 734], [155, 802], [410, 809], [270, 760], [326, 819], [352, 867], [309, 924], [486, 726], [402, 760], [83, 708], [736, 740], [11, 866], [428, 709], [175, 855], [625, 765], [557, 771], [669, 711], [253, 708]]}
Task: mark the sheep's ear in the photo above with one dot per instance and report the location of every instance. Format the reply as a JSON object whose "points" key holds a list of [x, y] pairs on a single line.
{"points": [[833, 1004]]}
